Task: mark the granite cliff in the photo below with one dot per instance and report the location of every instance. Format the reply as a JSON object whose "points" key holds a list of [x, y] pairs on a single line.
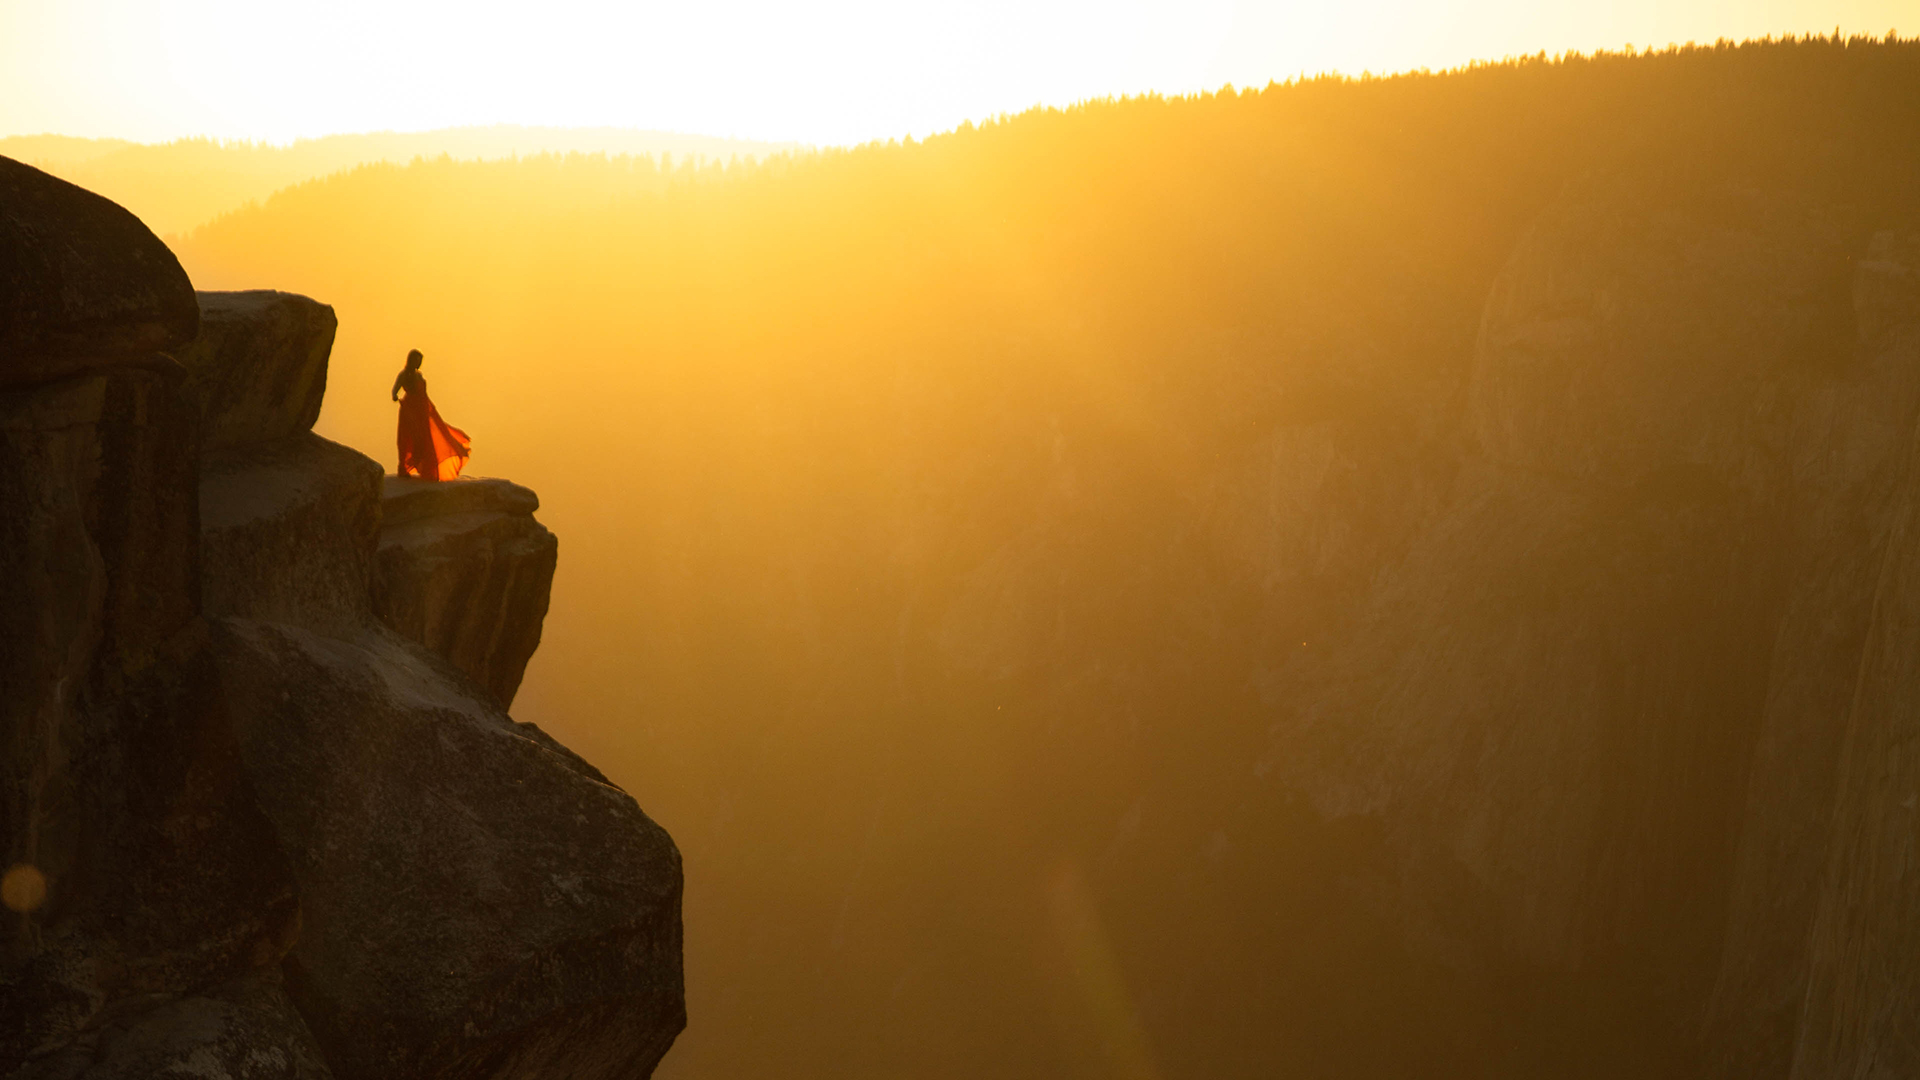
{"points": [[265, 812]]}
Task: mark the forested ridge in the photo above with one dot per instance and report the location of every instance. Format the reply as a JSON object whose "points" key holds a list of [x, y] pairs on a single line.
{"points": [[179, 185]]}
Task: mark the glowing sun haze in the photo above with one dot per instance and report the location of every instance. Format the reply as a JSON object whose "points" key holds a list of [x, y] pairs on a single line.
{"points": [[829, 71]]}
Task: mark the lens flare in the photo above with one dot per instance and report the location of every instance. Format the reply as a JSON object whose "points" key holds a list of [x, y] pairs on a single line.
{"points": [[24, 888], [1097, 989]]}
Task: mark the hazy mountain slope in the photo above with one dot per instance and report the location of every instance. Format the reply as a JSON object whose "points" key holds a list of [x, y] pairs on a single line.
{"points": [[64, 151], [176, 186], [1357, 578]]}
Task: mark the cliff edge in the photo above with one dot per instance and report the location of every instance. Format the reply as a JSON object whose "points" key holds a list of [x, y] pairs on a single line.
{"points": [[265, 813]]}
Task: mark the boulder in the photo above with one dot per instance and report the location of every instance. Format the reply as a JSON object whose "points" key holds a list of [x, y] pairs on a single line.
{"points": [[83, 284], [288, 531], [476, 902], [465, 570], [243, 1029], [258, 369], [120, 781]]}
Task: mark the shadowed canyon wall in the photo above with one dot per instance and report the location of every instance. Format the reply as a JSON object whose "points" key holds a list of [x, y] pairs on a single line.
{"points": [[1382, 578]]}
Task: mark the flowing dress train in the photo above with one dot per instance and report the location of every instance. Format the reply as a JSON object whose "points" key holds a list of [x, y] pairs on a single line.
{"points": [[430, 448]]}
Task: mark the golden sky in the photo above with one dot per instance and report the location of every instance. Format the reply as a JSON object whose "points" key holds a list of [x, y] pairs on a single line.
{"points": [[825, 72]]}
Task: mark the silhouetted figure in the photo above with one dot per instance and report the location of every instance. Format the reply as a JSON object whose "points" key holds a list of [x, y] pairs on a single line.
{"points": [[430, 448]]}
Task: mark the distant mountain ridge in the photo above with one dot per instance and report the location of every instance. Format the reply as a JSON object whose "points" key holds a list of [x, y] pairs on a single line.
{"points": [[176, 186]]}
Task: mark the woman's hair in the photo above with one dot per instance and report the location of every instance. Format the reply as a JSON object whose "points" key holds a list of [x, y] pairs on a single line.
{"points": [[414, 358]]}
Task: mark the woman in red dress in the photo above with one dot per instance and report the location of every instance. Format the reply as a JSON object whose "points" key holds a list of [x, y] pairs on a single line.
{"points": [[430, 448]]}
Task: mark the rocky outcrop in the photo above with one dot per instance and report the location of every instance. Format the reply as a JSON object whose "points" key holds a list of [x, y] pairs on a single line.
{"points": [[465, 570], [288, 530], [245, 1029], [450, 928], [238, 811], [258, 368], [121, 786], [84, 286]]}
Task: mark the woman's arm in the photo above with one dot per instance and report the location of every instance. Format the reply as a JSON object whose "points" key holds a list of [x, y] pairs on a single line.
{"points": [[398, 381]]}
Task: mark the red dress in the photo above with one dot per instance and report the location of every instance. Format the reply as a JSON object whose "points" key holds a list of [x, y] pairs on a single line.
{"points": [[430, 448]]}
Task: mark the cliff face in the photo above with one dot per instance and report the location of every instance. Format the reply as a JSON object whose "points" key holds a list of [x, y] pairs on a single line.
{"points": [[1625, 709], [1859, 1006], [251, 830], [464, 569], [1601, 702]]}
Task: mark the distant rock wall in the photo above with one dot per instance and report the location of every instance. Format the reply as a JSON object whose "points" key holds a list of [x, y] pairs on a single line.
{"points": [[1582, 685], [1595, 599], [1630, 702], [250, 831], [1847, 462], [1857, 985]]}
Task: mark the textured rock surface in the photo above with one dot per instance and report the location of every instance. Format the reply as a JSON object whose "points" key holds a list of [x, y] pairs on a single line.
{"points": [[83, 284], [245, 1029], [288, 531], [1849, 458], [465, 570], [121, 779], [1594, 705], [1863, 993], [477, 904], [480, 902], [1855, 988], [1595, 599], [257, 371]]}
